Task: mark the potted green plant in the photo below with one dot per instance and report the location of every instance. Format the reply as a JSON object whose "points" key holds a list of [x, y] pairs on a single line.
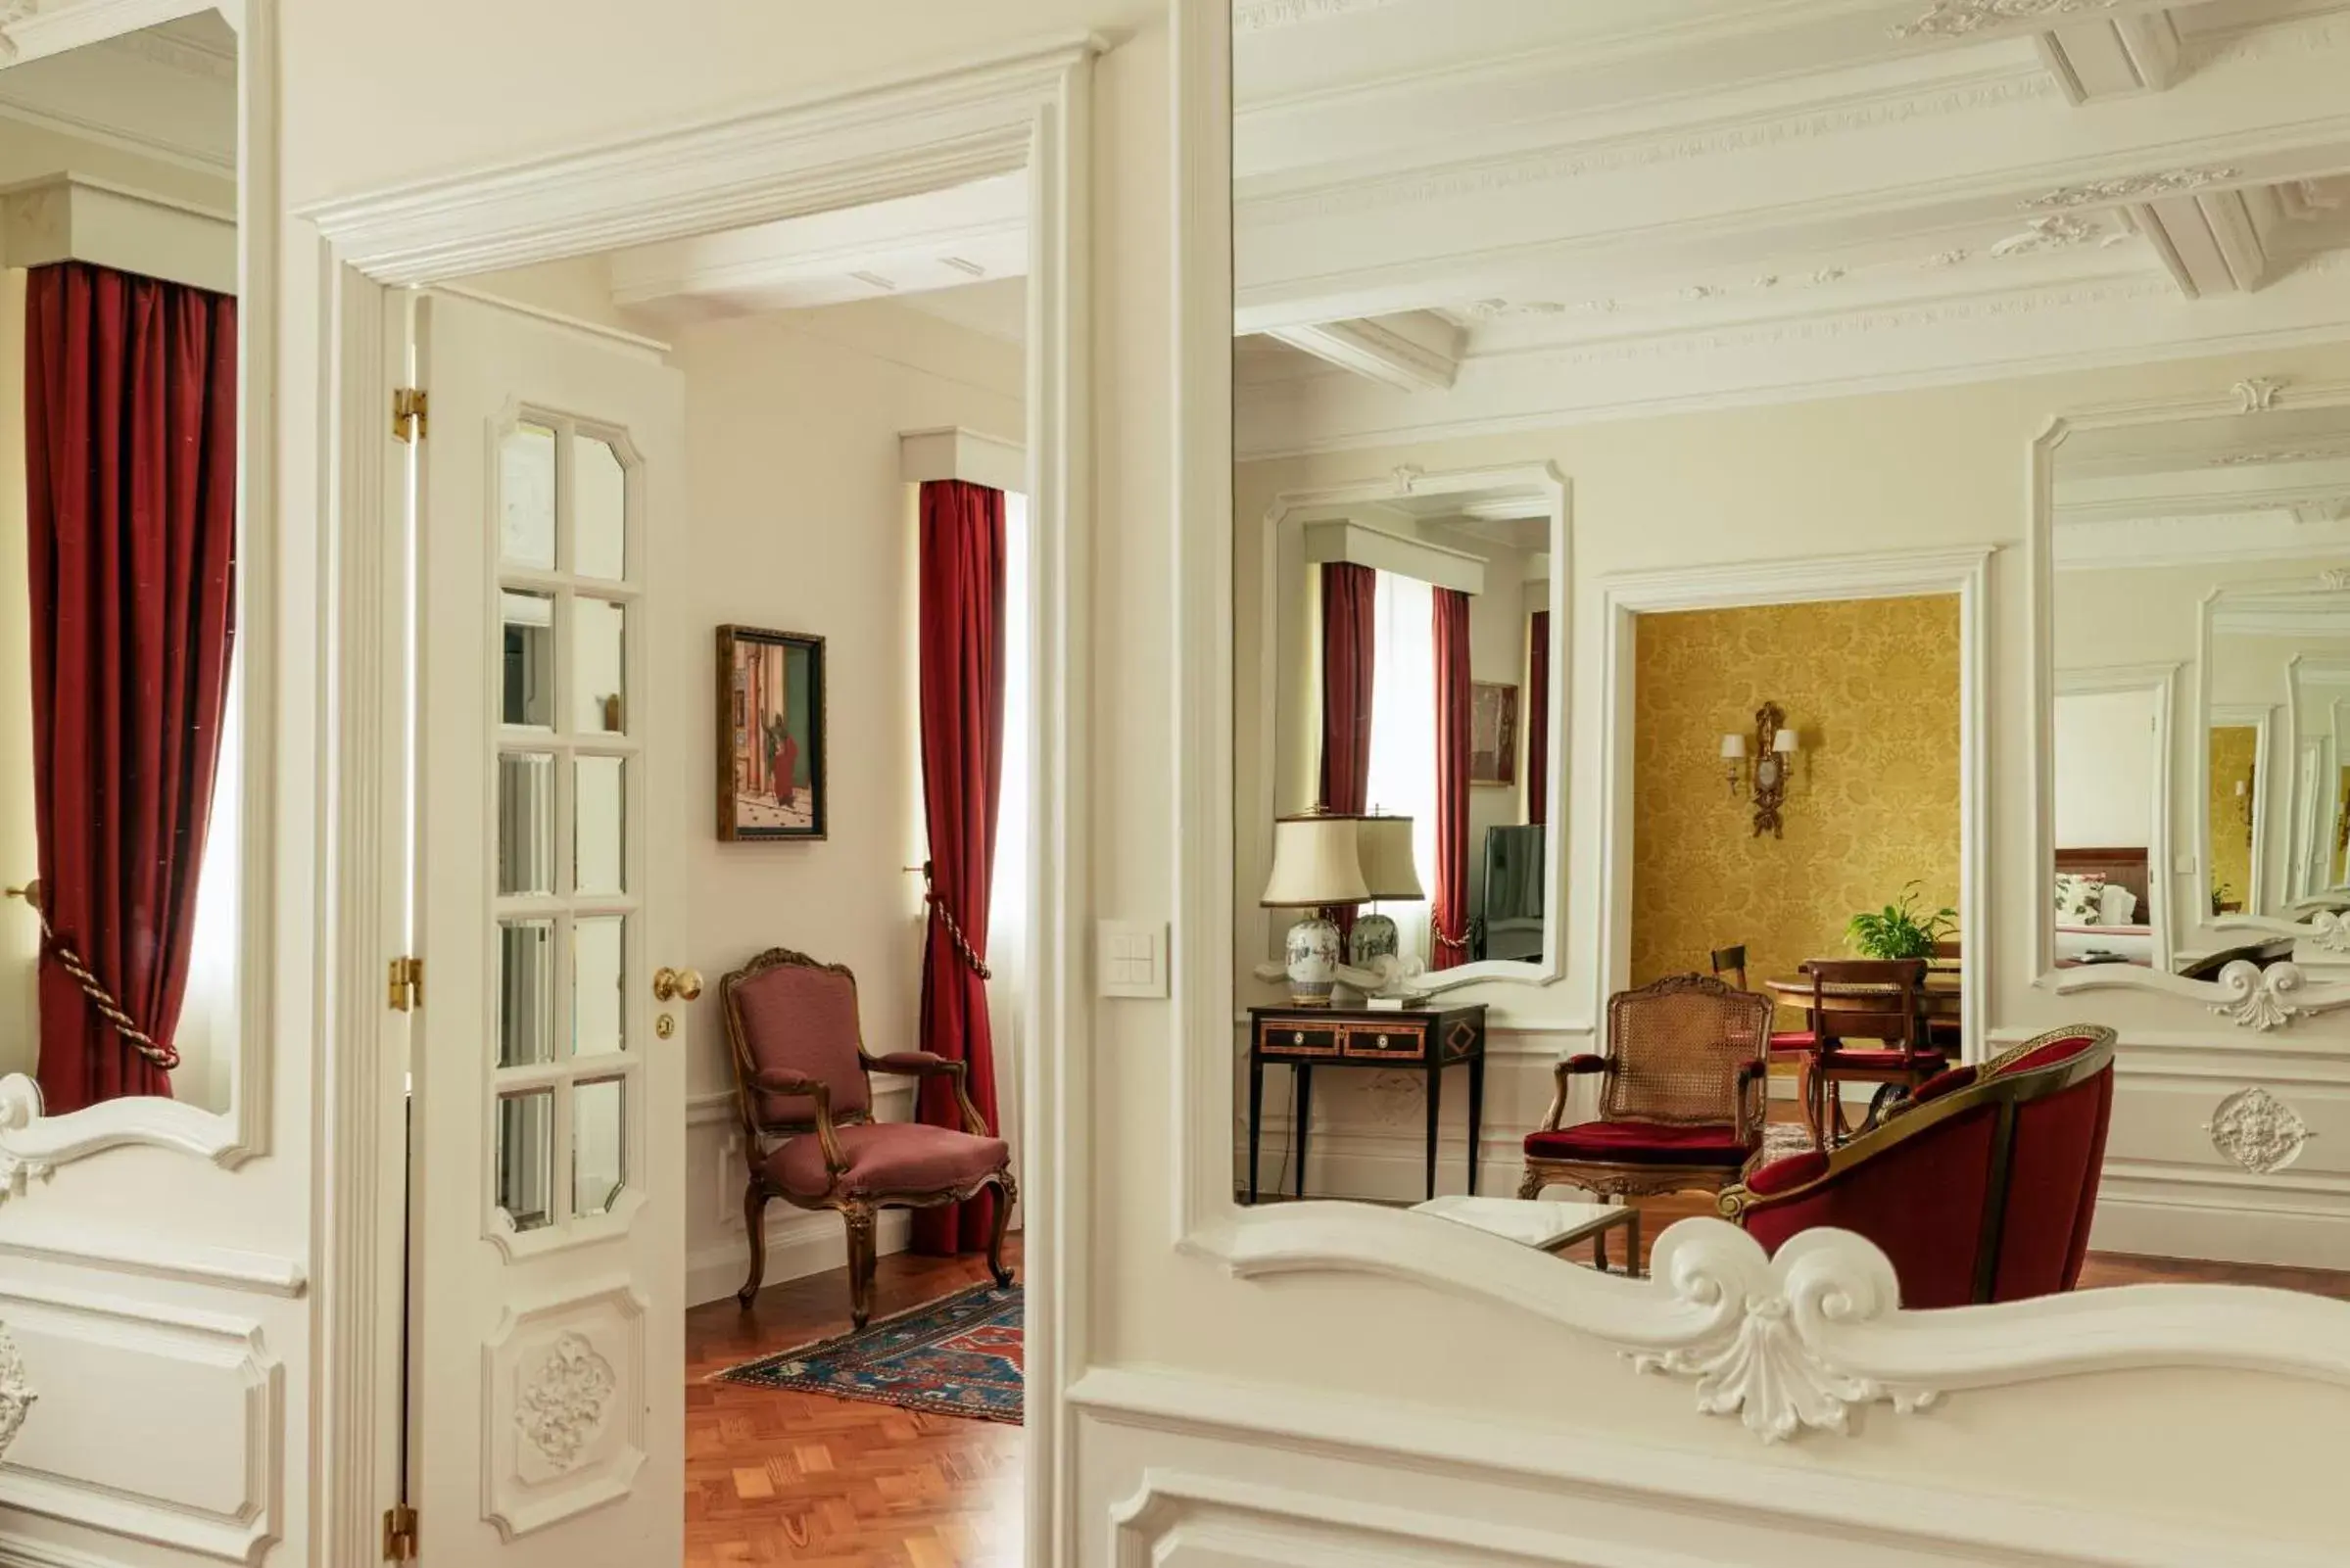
{"points": [[1900, 929]]}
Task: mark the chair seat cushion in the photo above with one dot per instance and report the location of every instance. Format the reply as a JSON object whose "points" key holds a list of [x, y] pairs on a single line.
{"points": [[1794, 1041], [1883, 1060], [1642, 1143], [887, 1159]]}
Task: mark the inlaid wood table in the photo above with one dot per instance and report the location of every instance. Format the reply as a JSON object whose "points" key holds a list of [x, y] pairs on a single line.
{"points": [[1424, 1040], [1938, 997]]}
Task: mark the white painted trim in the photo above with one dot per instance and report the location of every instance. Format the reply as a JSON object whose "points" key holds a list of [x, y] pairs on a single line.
{"points": [[1534, 489], [73, 217], [156, 1256], [1029, 111], [1340, 539], [2161, 680], [799, 1243], [1962, 570], [951, 452], [1936, 1524], [32, 1145]]}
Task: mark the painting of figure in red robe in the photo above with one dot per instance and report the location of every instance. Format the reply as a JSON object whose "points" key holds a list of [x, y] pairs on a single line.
{"points": [[770, 735]]}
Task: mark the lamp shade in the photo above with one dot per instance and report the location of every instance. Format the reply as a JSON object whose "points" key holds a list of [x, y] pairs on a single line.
{"points": [[1734, 746], [1389, 868], [1784, 742], [1314, 864]]}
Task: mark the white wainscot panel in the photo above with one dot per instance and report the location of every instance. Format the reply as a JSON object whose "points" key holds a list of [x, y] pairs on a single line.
{"points": [[2232, 1154], [155, 1422]]}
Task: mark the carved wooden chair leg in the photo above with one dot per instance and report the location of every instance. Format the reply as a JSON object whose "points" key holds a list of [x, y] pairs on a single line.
{"points": [[860, 1220], [754, 1225], [1004, 1199], [1530, 1185]]}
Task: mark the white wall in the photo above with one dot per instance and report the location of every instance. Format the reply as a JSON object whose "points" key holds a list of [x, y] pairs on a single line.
{"points": [[2105, 769], [800, 523]]}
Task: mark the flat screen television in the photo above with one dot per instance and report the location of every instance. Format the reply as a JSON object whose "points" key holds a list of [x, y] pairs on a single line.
{"points": [[1510, 919]]}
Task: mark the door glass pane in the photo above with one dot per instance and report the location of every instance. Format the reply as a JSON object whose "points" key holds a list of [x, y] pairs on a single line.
{"points": [[526, 1158], [598, 509], [526, 674], [525, 993], [596, 1168], [526, 497], [596, 648], [598, 800], [596, 982], [525, 823]]}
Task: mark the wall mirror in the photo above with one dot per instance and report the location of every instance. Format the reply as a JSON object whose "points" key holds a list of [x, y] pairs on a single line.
{"points": [[2200, 711], [125, 833]]}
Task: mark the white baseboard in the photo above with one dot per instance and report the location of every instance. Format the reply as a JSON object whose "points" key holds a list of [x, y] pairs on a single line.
{"points": [[2246, 1231], [799, 1243]]}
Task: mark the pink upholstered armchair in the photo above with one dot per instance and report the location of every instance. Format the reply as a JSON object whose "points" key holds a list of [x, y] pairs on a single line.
{"points": [[808, 1134], [1980, 1186]]}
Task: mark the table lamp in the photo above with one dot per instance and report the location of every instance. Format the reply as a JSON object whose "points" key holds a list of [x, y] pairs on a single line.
{"points": [[1317, 867], [1390, 870]]}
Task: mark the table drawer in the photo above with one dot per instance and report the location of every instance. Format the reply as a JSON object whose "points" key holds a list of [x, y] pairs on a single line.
{"points": [[1404, 1042], [1288, 1037]]}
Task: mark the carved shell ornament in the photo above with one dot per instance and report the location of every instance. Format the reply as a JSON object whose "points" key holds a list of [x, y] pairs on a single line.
{"points": [[1756, 1351], [2258, 1131], [16, 1393], [562, 1404]]}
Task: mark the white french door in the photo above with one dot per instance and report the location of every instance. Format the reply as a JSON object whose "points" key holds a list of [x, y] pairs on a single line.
{"points": [[546, 1256]]}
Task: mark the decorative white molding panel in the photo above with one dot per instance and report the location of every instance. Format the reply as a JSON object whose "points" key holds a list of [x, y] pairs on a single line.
{"points": [[16, 1393], [1961, 18], [562, 1405], [2134, 187], [565, 1386], [2258, 1131]]}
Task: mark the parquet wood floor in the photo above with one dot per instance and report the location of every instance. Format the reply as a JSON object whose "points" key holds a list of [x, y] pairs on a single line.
{"points": [[776, 1477]]}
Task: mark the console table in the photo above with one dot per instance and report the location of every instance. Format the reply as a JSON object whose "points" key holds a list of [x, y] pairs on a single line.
{"points": [[1422, 1040]]}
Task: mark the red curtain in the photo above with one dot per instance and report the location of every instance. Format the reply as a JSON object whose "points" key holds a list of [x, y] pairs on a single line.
{"points": [[1450, 910], [961, 637], [131, 465], [1349, 655], [1538, 717]]}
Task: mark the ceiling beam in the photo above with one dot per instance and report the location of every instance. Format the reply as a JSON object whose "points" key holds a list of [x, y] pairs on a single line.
{"points": [[2112, 56], [1419, 352]]}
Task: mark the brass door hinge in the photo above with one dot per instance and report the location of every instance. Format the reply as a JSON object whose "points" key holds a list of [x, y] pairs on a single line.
{"points": [[399, 1533], [410, 410], [406, 983]]}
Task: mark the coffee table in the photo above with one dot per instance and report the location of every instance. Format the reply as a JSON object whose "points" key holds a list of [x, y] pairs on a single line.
{"points": [[1544, 1225]]}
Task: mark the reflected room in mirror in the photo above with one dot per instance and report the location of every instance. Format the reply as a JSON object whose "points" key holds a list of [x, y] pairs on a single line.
{"points": [[120, 439], [2201, 686]]}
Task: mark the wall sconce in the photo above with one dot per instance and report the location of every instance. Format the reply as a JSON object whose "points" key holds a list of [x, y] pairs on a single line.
{"points": [[1774, 746]]}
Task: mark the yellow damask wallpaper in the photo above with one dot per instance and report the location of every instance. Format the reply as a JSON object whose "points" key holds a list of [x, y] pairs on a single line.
{"points": [[1871, 689], [2235, 748]]}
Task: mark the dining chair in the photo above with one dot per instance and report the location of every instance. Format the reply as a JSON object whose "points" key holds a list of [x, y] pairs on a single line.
{"points": [[1946, 1035], [1865, 999], [1786, 1045]]}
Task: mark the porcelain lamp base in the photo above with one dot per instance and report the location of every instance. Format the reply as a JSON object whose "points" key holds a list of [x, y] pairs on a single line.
{"points": [[1312, 954]]}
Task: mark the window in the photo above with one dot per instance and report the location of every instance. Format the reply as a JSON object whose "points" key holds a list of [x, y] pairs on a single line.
{"points": [[1403, 735]]}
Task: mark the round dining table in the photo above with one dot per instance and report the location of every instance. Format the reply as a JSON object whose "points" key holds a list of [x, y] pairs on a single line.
{"points": [[1938, 997]]}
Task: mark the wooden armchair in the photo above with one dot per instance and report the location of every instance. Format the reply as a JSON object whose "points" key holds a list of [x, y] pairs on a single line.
{"points": [[1865, 999], [1682, 1093], [802, 1084]]}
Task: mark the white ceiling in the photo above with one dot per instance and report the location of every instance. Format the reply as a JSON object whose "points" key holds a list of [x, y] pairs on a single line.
{"points": [[166, 92]]}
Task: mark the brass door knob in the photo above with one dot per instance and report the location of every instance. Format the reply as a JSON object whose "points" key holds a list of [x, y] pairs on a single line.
{"points": [[684, 984]]}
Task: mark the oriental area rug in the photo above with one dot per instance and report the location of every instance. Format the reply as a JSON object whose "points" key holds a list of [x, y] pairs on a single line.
{"points": [[957, 1355]]}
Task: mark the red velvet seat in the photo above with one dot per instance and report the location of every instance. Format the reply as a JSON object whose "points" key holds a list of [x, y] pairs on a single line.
{"points": [[1680, 1094], [1980, 1186], [808, 1135]]}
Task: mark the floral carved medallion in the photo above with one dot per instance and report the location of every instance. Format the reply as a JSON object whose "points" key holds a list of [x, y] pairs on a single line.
{"points": [[562, 1404], [16, 1393], [2258, 1131]]}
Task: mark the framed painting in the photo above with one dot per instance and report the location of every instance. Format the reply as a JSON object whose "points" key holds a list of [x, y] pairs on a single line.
{"points": [[770, 735], [1492, 735]]}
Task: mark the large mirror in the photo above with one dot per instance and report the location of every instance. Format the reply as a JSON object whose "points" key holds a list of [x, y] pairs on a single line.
{"points": [[2202, 703], [121, 689], [1656, 533]]}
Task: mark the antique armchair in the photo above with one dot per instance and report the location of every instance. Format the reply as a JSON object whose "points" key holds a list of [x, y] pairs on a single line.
{"points": [[1865, 999], [802, 1085], [1980, 1185], [1681, 1094]]}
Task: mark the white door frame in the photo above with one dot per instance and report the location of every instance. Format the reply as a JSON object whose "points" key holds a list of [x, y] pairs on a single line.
{"points": [[1028, 111], [2159, 682]]}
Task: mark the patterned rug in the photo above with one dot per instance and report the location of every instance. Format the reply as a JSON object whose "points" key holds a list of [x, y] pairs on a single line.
{"points": [[957, 1355]]}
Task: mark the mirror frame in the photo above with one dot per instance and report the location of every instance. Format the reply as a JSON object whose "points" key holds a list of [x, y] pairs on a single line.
{"points": [[2251, 997], [1544, 490], [32, 1144]]}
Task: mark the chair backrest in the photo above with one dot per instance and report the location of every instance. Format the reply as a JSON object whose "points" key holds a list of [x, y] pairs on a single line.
{"points": [[788, 1011], [1981, 1188], [1730, 965], [1896, 1019], [1676, 1048]]}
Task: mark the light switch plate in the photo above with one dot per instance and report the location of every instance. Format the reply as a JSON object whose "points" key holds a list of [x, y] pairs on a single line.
{"points": [[1130, 959]]}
